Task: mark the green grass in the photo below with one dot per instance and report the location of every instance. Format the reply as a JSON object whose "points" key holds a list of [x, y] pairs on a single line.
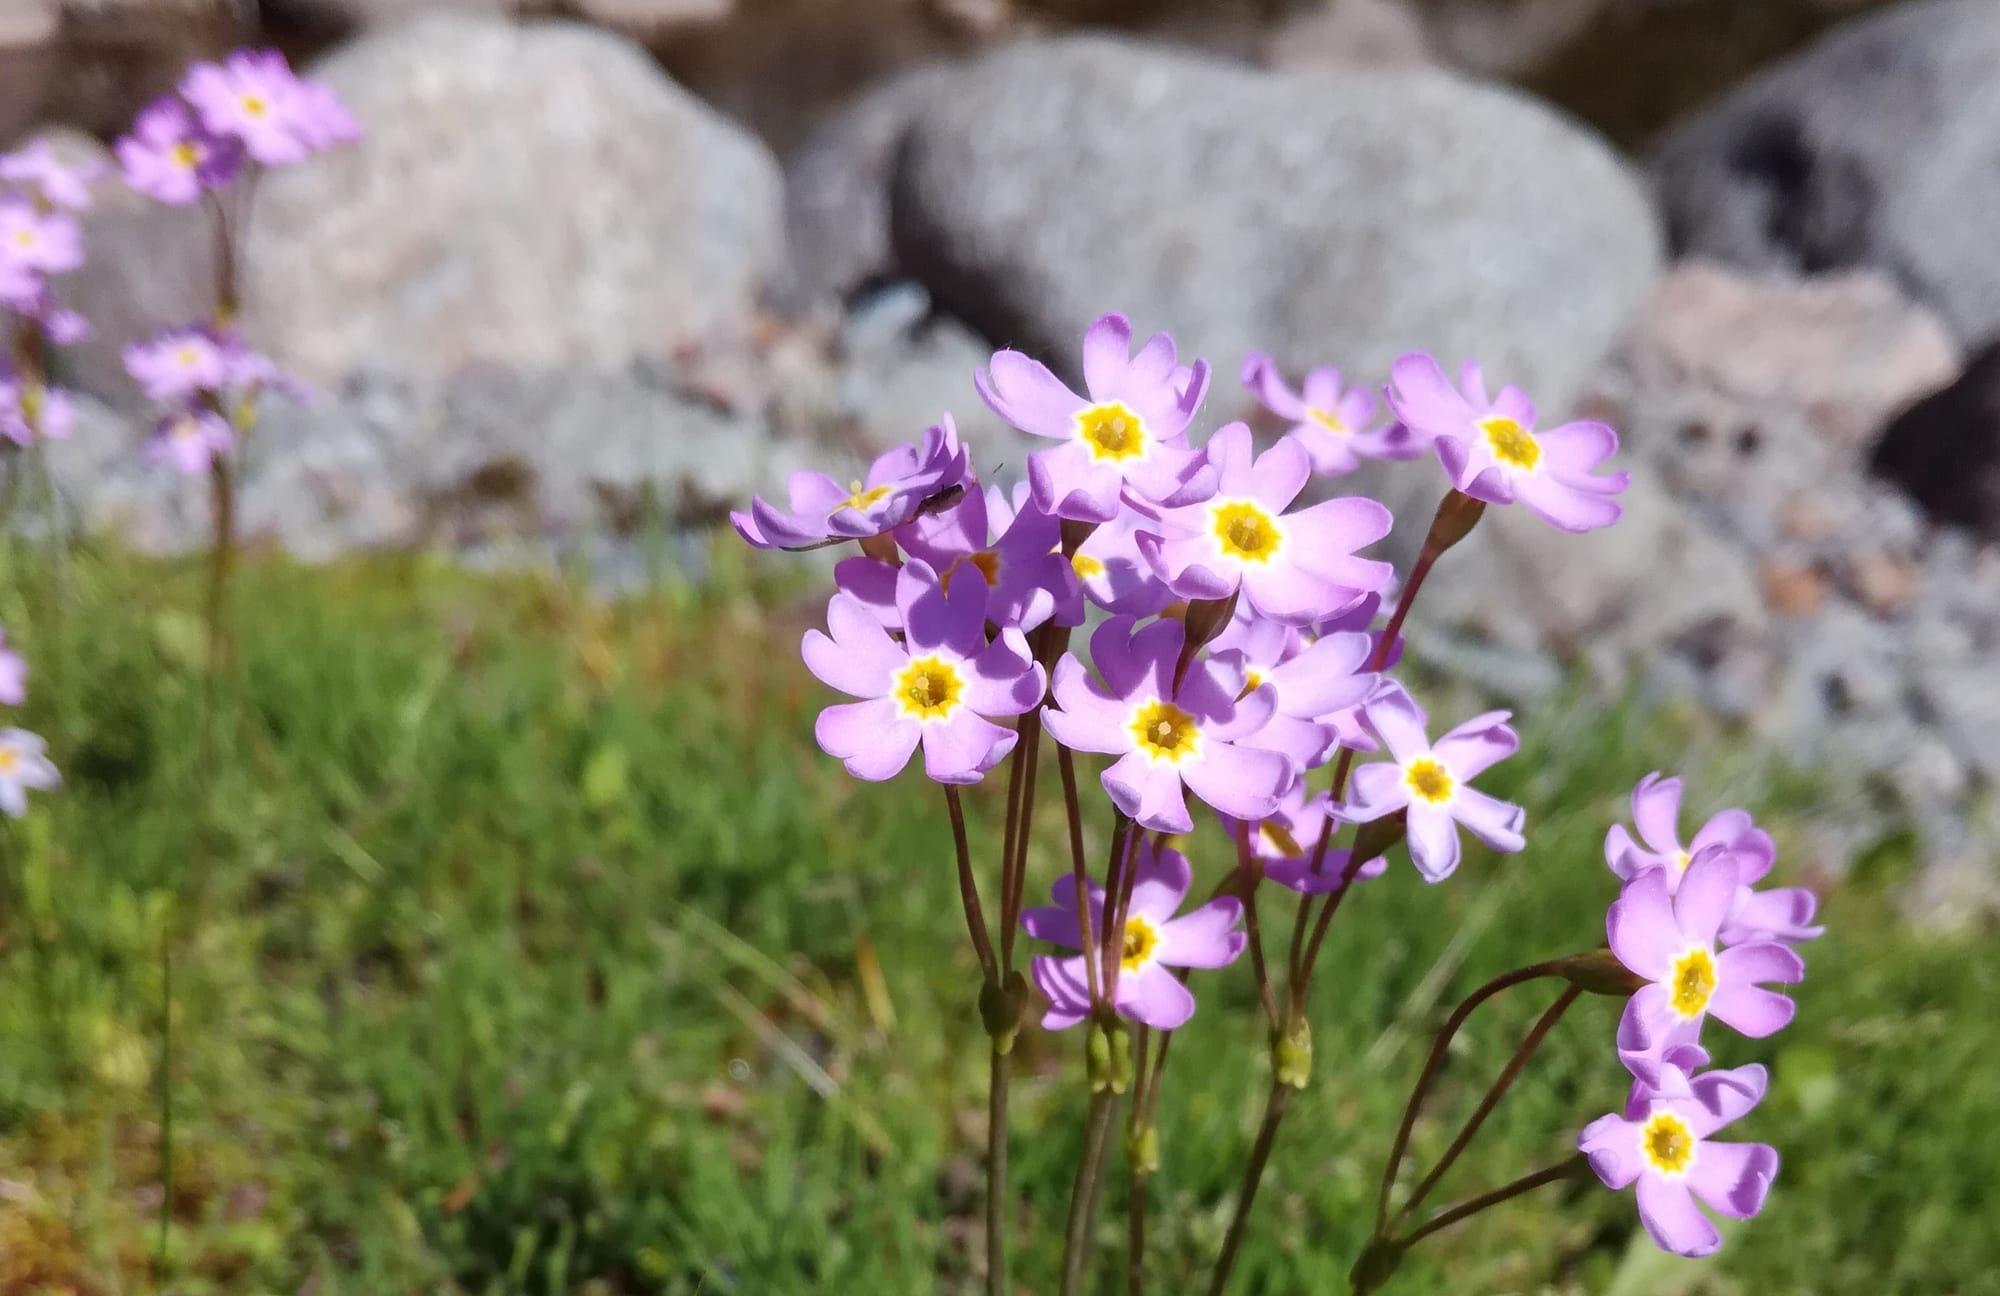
{"points": [[531, 946]]}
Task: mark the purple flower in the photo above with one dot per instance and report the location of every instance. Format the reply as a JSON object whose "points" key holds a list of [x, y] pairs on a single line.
{"points": [[178, 365], [1165, 735], [1310, 680], [1012, 546], [1493, 452], [823, 511], [1114, 574], [320, 119], [1433, 782], [23, 768], [190, 439], [1662, 1142], [1294, 567], [1285, 839], [1784, 913], [26, 413], [1668, 937], [252, 97], [1329, 423], [60, 184], [1131, 431], [13, 674], [171, 158], [936, 687], [43, 243], [1153, 942]]}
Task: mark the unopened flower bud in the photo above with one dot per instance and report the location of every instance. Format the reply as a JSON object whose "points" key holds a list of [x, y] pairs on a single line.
{"points": [[1292, 1055], [1598, 971]]}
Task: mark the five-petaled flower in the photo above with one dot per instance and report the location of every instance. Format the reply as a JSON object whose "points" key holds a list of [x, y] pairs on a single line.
{"points": [[1153, 942], [935, 688], [1332, 423], [1432, 781], [1196, 731], [1285, 841], [898, 483], [1312, 681], [1129, 433], [23, 768], [1492, 451]]}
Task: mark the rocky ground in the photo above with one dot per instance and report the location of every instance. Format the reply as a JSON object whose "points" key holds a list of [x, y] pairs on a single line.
{"points": [[559, 298]]}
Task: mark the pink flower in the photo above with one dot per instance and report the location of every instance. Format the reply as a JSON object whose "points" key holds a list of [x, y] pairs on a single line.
{"points": [[1284, 842], [1311, 680], [1293, 567], [253, 97], [1668, 936], [899, 482], [1492, 451], [1662, 1142], [177, 365], [42, 243], [23, 768], [936, 688], [1011, 545], [1432, 782], [60, 184], [1332, 425], [171, 158], [1130, 435], [1198, 733], [1114, 574], [1153, 942], [190, 439]]}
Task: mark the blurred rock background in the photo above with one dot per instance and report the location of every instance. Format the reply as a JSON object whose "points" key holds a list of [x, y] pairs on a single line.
{"points": [[608, 265]]}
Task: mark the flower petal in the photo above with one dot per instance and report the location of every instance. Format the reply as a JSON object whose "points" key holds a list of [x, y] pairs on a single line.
{"points": [[1675, 1223]]}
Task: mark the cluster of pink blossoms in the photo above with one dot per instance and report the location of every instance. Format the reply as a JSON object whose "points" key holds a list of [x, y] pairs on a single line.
{"points": [[225, 117], [1238, 647], [24, 764], [39, 239], [1692, 925]]}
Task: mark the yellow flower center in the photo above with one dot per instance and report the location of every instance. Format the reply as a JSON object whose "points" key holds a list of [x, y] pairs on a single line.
{"points": [[1141, 938], [1112, 430], [24, 239], [10, 760], [187, 357], [1280, 838], [186, 156], [1692, 982], [1429, 780], [1165, 732], [254, 106], [1668, 1143], [862, 496], [1326, 421], [929, 688], [1085, 566], [1245, 530], [1681, 861], [1512, 444], [986, 562]]}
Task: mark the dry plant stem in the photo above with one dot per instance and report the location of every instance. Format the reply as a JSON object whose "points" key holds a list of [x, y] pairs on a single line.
{"points": [[968, 888], [1079, 868], [996, 1173], [1253, 1176], [1508, 1074], [1434, 1064], [1083, 1193], [1571, 1168]]}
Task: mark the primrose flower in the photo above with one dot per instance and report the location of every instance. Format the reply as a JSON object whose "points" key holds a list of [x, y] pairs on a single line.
{"points": [[23, 768], [900, 482], [1668, 937], [935, 688], [1492, 451], [1130, 432], [1198, 733], [1284, 842], [43, 243], [1330, 423], [1011, 545], [171, 158], [13, 674], [1662, 1142], [1310, 680], [178, 365], [1433, 782], [1783, 913], [1294, 567], [59, 183], [252, 97], [190, 439], [1153, 942], [26, 413], [1114, 574]]}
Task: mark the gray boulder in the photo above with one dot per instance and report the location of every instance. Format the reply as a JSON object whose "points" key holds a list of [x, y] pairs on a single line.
{"points": [[1326, 219], [1877, 146], [537, 196]]}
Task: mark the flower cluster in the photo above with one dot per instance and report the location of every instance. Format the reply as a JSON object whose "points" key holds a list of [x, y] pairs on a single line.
{"points": [[40, 238], [250, 107], [1690, 924], [202, 380], [24, 766]]}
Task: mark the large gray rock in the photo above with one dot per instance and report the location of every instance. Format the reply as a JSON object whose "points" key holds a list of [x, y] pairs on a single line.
{"points": [[1324, 219], [27, 30], [1879, 146], [534, 196]]}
